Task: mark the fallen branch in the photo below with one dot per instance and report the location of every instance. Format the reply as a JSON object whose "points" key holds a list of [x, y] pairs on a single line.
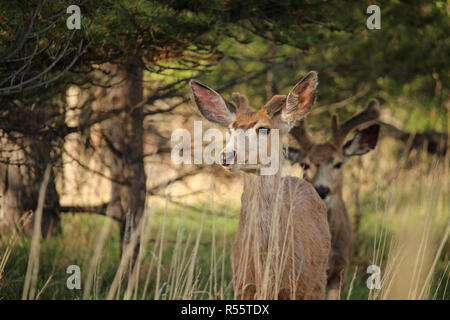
{"points": [[435, 142], [99, 209]]}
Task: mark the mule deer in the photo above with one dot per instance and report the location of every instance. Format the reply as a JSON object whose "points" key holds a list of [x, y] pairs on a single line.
{"points": [[282, 242], [322, 164]]}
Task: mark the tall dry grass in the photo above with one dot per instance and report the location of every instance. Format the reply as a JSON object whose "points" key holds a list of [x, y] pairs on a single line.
{"points": [[404, 202]]}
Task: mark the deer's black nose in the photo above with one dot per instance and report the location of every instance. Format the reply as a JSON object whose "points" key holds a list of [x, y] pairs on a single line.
{"points": [[226, 158], [323, 191]]}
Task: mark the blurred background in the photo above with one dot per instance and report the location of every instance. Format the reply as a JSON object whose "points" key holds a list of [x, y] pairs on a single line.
{"points": [[86, 117]]}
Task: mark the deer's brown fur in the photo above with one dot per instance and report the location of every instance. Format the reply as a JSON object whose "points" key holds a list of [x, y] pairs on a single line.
{"points": [[303, 233], [322, 164], [283, 239]]}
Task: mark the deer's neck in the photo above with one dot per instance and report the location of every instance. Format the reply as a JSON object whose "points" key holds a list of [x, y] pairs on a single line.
{"points": [[260, 193], [335, 205], [333, 201]]}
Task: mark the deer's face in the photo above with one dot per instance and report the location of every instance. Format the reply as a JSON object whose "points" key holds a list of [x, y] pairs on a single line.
{"points": [[323, 168], [323, 163], [245, 136], [253, 137]]}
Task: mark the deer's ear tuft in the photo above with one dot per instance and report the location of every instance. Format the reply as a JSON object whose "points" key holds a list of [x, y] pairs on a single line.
{"points": [[212, 105], [364, 141], [301, 98], [275, 105], [240, 100]]}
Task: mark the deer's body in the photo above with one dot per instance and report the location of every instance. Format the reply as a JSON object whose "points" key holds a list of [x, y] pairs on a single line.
{"points": [[323, 168], [283, 239], [303, 236]]}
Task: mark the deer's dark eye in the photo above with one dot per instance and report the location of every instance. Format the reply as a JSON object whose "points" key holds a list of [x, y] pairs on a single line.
{"points": [[305, 166], [263, 130], [338, 165]]}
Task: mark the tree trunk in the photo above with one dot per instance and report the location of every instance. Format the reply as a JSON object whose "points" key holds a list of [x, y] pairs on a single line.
{"points": [[22, 166], [123, 136]]}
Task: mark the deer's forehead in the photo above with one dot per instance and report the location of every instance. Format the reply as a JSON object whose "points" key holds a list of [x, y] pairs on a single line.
{"points": [[247, 119], [325, 153]]}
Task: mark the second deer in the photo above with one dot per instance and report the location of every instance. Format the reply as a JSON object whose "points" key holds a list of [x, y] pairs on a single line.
{"points": [[322, 164]]}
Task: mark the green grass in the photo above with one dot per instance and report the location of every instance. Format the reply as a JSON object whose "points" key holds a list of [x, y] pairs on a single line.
{"points": [[60, 252]]}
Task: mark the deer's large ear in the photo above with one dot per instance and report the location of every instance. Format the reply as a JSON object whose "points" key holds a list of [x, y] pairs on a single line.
{"points": [[211, 104], [363, 142], [301, 98]]}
